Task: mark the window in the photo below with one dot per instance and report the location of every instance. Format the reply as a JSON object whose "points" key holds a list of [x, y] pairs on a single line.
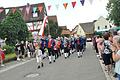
{"points": [[105, 27], [98, 27], [35, 14], [110, 26]]}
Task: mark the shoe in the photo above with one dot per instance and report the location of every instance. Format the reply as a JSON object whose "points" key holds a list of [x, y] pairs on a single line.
{"points": [[38, 67], [18, 59], [65, 57], [81, 56], [42, 64], [78, 56], [50, 62], [115, 75], [53, 60], [23, 60]]}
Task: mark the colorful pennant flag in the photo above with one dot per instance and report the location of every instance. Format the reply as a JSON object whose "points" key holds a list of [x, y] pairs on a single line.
{"points": [[1, 10], [82, 2], [91, 1], [28, 8], [6, 11], [49, 7], [65, 5], [57, 6], [40, 8], [73, 4], [13, 10], [34, 9]]}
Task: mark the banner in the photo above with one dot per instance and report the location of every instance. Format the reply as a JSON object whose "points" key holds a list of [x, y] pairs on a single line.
{"points": [[41, 33], [49, 7], [40, 8], [65, 5], [34, 9], [73, 4], [91, 1], [57, 6], [82, 2], [13, 10], [27, 8]]}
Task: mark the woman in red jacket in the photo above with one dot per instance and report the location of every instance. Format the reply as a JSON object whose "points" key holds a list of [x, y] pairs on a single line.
{"points": [[2, 56]]}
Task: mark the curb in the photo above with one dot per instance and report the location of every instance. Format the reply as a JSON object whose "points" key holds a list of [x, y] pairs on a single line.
{"points": [[108, 77]]}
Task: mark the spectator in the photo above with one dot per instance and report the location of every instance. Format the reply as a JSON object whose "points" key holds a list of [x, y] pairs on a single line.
{"points": [[116, 57]]}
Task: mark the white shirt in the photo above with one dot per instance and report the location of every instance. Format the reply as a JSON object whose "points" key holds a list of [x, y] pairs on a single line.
{"points": [[117, 64]]}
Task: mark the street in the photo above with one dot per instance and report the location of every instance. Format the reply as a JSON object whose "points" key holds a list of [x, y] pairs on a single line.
{"points": [[85, 68]]}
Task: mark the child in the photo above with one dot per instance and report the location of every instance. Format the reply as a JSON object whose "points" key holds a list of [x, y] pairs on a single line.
{"points": [[39, 56]]}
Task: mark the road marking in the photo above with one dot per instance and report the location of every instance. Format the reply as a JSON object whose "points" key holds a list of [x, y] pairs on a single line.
{"points": [[16, 65]]}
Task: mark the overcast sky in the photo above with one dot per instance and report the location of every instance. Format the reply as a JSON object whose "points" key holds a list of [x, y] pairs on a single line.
{"points": [[71, 16]]}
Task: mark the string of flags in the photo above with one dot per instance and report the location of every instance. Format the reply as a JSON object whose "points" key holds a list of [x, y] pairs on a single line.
{"points": [[40, 7]]}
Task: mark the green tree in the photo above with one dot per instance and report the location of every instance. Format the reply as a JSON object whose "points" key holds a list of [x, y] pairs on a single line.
{"points": [[113, 8], [13, 27], [53, 29]]}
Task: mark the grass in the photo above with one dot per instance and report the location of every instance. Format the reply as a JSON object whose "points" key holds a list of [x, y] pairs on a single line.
{"points": [[10, 56]]}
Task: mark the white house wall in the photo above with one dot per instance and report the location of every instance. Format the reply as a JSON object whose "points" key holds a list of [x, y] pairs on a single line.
{"points": [[102, 22], [80, 31]]}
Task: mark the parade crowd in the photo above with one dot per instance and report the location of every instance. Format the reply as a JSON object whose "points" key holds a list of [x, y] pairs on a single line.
{"points": [[51, 48], [107, 47]]}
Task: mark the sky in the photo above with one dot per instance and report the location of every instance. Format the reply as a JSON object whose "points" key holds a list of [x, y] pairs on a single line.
{"points": [[70, 16]]}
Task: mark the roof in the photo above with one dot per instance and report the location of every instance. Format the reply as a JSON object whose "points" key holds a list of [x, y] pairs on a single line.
{"points": [[28, 15], [63, 27], [53, 18], [74, 30], [66, 31], [88, 27]]}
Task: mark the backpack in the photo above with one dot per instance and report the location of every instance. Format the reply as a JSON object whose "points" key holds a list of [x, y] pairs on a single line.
{"points": [[107, 49]]}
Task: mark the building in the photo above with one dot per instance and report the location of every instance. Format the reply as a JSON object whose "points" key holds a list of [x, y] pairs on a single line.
{"points": [[33, 14], [102, 25], [66, 32], [88, 28], [53, 18], [84, 29]]}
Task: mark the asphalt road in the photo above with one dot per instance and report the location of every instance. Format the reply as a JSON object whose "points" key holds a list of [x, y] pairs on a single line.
{"points": [[73, 68]]}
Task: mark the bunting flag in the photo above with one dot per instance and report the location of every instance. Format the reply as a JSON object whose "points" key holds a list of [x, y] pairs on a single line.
{"points": [[40, 8], [91, 1], [13, 10], [28, 8], [21, 9], [1, 10], [34, 9], [73, 4], [82, 2], [65, 5], [6, 11], [57, 6], [49, 7]]}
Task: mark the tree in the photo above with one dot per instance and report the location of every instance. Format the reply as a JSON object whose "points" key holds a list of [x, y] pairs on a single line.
{"points": [[53, 29], [113, 8], [13, 27]]}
